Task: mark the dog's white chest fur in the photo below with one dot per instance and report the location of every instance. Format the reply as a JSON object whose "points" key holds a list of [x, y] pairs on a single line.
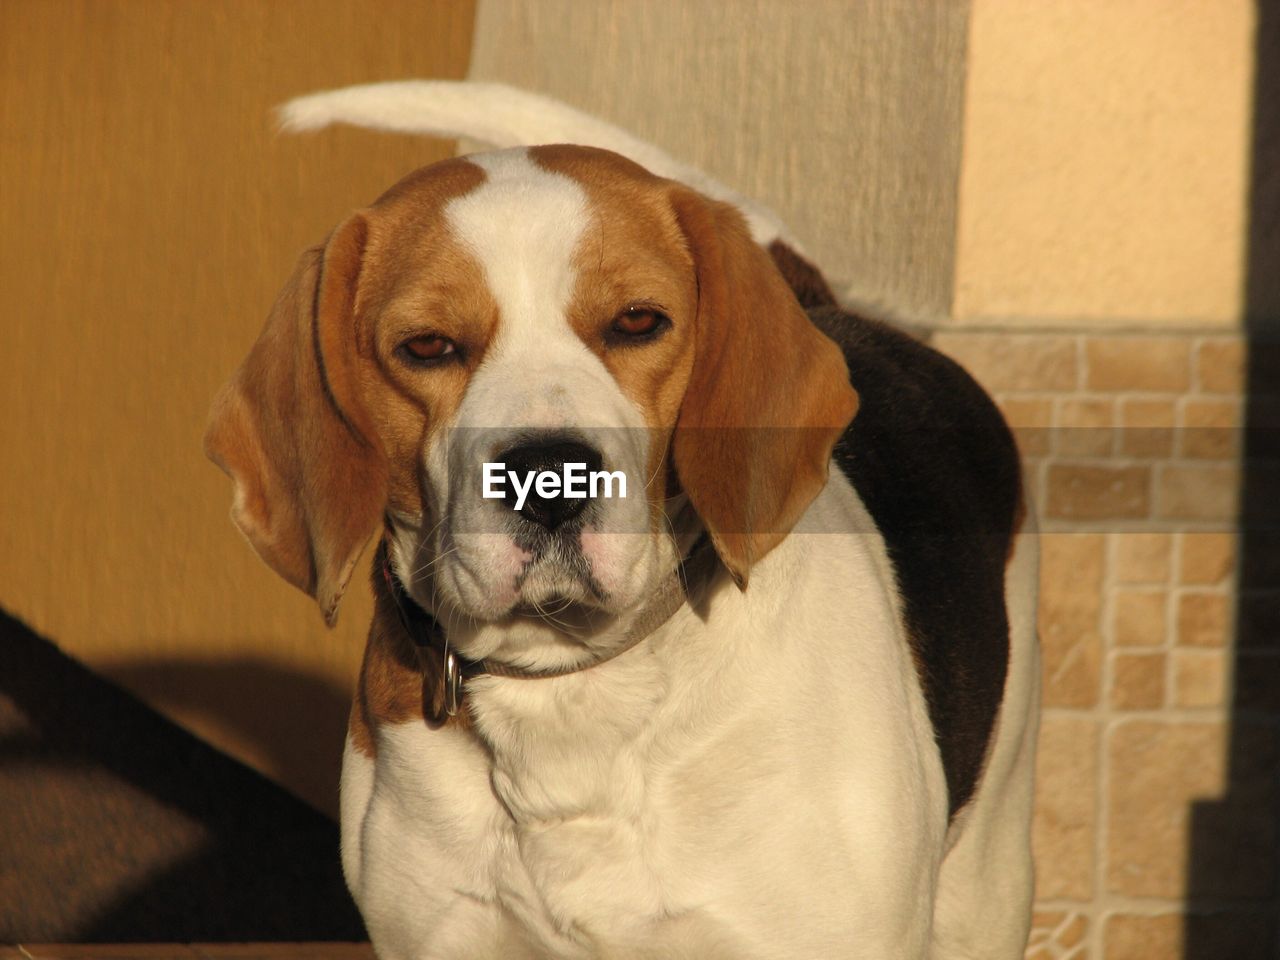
{"points": [[574, 770], [602, 813]]}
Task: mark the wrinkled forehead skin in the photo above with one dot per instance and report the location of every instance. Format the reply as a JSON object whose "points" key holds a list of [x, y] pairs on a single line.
{"points": [[627, 213]]}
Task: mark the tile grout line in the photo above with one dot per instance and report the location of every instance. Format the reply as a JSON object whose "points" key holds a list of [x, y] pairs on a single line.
{"points": [[1102, 786], [1173, 580]]}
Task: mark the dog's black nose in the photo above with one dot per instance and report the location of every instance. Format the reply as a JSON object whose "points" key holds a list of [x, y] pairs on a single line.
{"points": [[561, 502]]}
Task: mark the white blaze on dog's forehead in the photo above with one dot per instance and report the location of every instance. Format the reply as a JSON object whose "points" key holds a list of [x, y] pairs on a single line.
{"points": [[523, 224]]}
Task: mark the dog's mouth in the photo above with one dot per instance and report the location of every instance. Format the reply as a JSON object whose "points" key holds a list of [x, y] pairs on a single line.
{"points": [[550, 583], [565, 614], [557, 588], [575, 579], [557, 569]]}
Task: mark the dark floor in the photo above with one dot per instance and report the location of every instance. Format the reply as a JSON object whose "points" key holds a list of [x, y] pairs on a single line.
{"points": [[116, 826]]}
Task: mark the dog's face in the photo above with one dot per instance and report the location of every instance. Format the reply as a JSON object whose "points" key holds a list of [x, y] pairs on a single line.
{"points": [[547, 310]]}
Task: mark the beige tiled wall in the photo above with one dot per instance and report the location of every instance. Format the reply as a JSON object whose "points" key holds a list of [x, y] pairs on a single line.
{"points": [[1153, 805]]}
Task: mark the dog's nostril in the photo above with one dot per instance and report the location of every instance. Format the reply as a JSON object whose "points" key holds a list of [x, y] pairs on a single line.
{"points": [[529, 460]]}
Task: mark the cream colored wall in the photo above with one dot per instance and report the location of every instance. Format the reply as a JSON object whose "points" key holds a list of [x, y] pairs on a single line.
{"points": [[150, 214], [1106, 163], [844, 117]]}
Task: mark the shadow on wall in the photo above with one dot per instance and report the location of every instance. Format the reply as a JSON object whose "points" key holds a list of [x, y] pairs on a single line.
{"points": [[115, 824], [1233, 883]]}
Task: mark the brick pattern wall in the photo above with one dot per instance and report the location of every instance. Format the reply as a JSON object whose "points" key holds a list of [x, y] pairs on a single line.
{"points": [[1154, 802]]}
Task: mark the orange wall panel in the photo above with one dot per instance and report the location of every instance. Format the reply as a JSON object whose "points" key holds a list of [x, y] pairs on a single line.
{"points": [[150, 214]]}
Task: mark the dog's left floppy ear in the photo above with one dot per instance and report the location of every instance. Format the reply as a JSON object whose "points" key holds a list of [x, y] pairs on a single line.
{"points": [[291, 430], [768, 396]]}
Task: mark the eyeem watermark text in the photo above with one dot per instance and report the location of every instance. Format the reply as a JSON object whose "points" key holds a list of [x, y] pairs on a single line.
{"points": [[573, 482]]}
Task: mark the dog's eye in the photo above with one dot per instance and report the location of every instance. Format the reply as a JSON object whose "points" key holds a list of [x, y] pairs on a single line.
{"points": [[638, 323], [427, 349]]}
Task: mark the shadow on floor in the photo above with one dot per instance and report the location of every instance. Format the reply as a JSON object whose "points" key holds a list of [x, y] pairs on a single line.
{"points": [[115, 824], [296, 723]]}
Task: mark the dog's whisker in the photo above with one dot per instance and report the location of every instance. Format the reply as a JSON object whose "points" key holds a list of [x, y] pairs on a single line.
{"points": [[657, 466], [425, 568]]}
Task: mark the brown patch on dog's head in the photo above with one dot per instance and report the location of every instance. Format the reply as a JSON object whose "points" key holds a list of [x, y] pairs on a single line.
{"points": [[633, 259], [321, 425], [745, 396]]}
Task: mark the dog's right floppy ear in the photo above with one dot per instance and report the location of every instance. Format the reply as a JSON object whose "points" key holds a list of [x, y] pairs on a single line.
{"points": [[768, 396], [292, 431]]}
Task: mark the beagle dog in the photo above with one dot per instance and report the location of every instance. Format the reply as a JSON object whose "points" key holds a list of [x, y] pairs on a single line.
{"points": [[778, 700]]}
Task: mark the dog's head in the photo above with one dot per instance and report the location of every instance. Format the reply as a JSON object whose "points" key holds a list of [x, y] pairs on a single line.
{"points": [[535, 309]]}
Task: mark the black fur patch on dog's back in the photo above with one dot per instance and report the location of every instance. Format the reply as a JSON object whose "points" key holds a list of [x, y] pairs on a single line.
{"points": [[936, 466]]}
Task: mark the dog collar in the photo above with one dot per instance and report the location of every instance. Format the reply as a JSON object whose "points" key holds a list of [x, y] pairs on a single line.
{"points": [[430, 639]]}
